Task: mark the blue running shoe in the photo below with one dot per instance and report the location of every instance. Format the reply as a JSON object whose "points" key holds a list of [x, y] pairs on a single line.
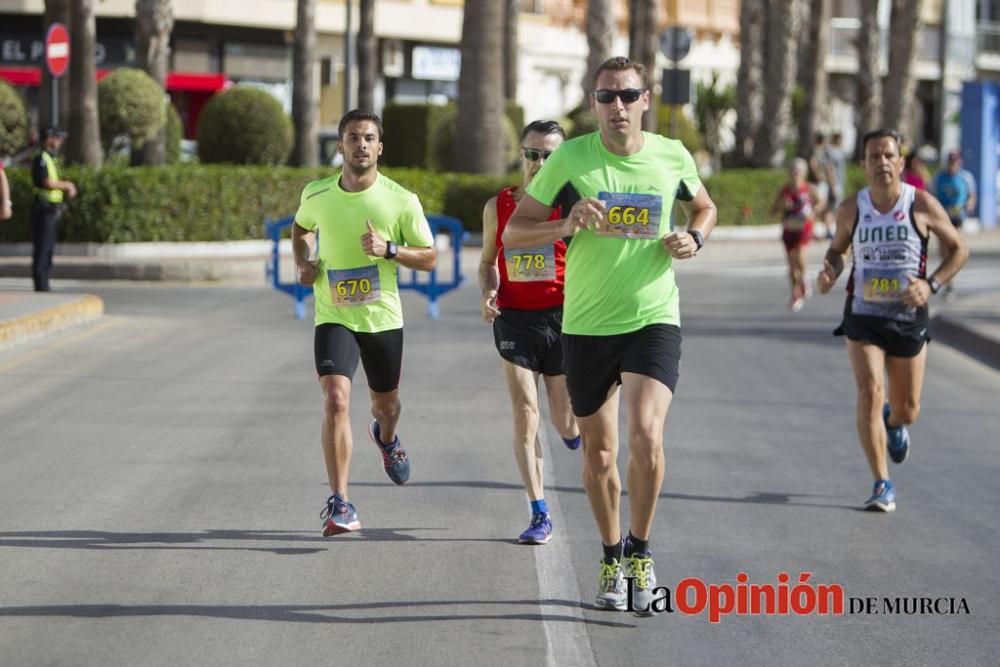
{"points": [[540, 530], [397, 464], [339, 516], [883, 497], [898, 442]]}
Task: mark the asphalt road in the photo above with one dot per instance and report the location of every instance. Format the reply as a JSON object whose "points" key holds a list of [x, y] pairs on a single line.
{"points": [[161, 482]]}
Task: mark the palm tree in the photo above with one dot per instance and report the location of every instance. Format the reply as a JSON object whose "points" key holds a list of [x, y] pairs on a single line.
{"points": [[813, 73], [480, 90], [643, 43], [904, 26], [749, 79], [306, 151], [600, 26], [511, 11], [154, 21], [869, 85], [779, 77], [366, 55], [56, 11], [83, 145]]}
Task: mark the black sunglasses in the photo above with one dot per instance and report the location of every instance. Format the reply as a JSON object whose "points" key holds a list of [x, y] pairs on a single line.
{"points": [[626, 95], [534, 155]]}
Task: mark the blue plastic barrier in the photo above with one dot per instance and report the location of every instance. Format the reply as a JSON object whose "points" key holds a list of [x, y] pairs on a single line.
{"points": [[430, 287]]}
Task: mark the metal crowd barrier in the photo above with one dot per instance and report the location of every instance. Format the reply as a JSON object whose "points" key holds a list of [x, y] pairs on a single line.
{"points": [[427, 283]]}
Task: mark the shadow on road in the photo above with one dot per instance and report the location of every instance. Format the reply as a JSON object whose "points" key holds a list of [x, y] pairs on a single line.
{"points": [[306, 613], [755, 497]]}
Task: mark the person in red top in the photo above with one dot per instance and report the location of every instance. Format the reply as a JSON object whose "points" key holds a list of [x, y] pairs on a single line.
{"points": [[522, 297], [798, 202]]}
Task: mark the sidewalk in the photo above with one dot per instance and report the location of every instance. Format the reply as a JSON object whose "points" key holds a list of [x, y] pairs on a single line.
{"points": [[971, 323]]}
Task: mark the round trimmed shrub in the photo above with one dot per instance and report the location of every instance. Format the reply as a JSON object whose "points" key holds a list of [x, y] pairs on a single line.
{"points": [[130, 104], [13, 120], [244, 126]]}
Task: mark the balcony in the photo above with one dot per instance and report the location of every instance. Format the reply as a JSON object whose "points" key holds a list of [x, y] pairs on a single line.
{"points": [[988, 45]]}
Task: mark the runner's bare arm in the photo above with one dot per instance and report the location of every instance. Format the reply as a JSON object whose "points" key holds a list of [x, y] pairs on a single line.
{"points": [[530, 227], [833, 263], [929, 212], [302, 244], [489, 275], [418, 258], [701, 216]]}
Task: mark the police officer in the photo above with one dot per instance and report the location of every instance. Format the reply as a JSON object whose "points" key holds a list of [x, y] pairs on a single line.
{"points": [[50, 193]]}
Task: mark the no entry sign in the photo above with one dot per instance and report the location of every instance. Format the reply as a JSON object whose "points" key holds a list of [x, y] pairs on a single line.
{"points": [[57, 50]]}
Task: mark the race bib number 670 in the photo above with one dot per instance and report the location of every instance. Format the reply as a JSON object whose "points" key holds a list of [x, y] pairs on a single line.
{"points": [[354, 287], [631, 215]]}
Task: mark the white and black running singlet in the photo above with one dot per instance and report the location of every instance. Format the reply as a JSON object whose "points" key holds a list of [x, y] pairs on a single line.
{"points": [[888, 252]]}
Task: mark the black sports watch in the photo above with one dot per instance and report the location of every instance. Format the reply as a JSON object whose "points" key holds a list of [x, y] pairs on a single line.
{"points": [[933, 283], [699, 240], [391, 250]]}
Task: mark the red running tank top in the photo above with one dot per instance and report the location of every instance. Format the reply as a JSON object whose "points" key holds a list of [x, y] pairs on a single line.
{"points": [[530, 278]]}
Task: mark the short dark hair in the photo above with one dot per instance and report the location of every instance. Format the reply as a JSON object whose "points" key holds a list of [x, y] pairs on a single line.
{"points": [[543, 127], [819, 138], [881, 134], [355, 115], [620, 64]]}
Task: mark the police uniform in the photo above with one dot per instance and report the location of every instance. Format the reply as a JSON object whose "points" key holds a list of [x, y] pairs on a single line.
{"points": [[45, 215]]}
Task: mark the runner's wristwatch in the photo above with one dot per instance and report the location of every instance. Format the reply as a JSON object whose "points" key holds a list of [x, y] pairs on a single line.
{"points": [[391, 250], [933, 283], [699, 240]]}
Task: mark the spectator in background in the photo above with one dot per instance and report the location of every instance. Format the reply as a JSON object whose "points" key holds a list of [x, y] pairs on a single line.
{"points": [[955, 188], [823, 176], [838, 164], [914, 172]]}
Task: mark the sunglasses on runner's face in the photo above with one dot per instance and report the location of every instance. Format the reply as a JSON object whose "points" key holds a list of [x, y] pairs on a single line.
{"points": [[627, 95], [533, 155]]}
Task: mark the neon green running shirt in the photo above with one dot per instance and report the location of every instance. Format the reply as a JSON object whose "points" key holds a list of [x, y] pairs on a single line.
{"points": [[354, 289], [621, 279]]}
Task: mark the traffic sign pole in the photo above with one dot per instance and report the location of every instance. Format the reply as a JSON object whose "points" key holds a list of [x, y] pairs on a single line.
{"points": [[56, 61]]}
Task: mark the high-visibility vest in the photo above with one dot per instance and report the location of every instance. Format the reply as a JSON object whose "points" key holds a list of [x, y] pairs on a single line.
{"points": [[52, 195]]}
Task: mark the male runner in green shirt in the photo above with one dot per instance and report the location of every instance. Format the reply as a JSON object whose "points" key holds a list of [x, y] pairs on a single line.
{"points": [[367, 225], [621, 321]]}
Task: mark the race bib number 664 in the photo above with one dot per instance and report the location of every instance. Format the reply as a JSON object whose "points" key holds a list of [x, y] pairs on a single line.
{"points": [[631, 215]]}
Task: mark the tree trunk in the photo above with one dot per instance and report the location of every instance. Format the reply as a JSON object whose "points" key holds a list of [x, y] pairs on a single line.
{"points": [[154, 21], [779, 80], [904, 27], [480, 90], [510, 50], [869, 84], [643, 43], [749, 79], [366, 55], [306, 152], [600, 31], [83, 145], [813, 74], [56, 11]]}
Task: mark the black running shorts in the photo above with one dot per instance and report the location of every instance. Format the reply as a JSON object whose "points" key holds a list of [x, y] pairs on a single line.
{"points": [[898, 339], [595, 363], [531, 339], [337, 350]]}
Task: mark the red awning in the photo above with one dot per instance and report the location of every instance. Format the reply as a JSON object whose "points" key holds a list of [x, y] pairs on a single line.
{"points": [[176, 81]]}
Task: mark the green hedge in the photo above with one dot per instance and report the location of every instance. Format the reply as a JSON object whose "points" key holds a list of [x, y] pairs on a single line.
{"points": [[189, 202], [214, 202]]}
